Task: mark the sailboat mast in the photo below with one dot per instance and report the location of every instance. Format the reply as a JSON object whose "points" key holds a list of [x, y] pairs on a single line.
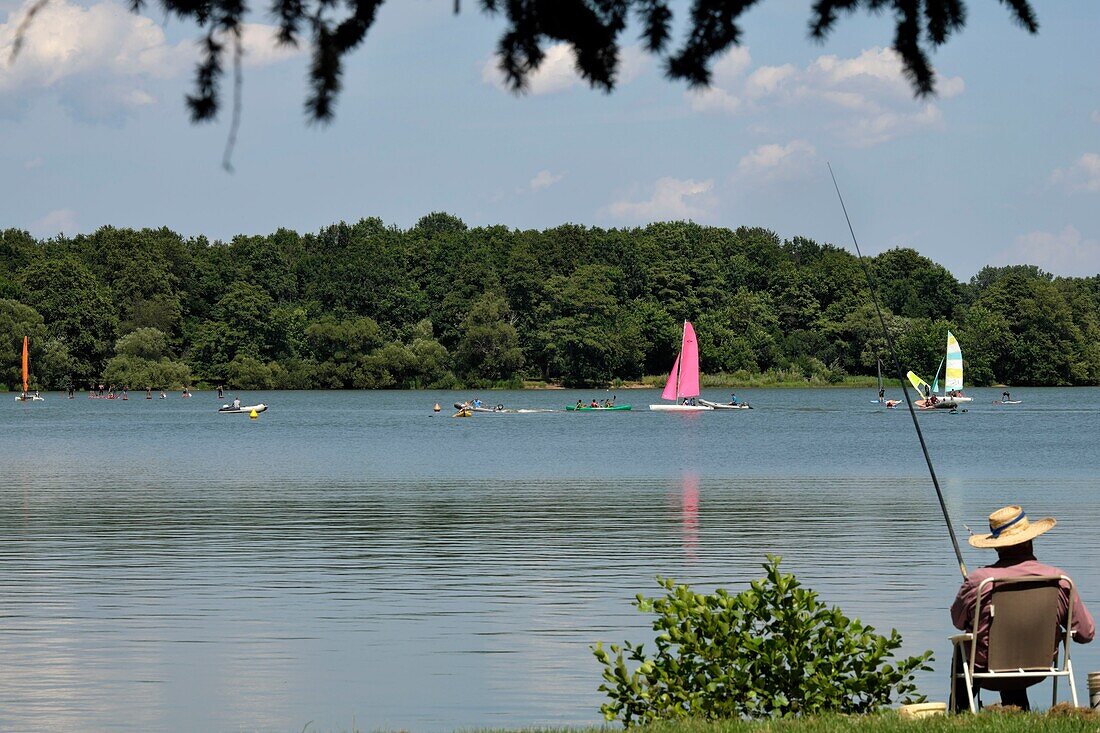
{"points": [[879, 366], [679, 365]]}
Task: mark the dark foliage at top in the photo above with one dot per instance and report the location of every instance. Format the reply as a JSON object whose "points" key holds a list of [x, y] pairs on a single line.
{"points": [[593, 28]]}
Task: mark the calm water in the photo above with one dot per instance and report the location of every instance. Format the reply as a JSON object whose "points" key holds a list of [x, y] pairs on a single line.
{"points": [[354, 559]]}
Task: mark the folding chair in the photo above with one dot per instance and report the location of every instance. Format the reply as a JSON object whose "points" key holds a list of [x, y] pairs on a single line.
{"points": [[1024, 635]]}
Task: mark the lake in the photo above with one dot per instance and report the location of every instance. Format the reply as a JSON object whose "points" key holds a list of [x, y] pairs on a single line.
{"points": [[351, 559]]}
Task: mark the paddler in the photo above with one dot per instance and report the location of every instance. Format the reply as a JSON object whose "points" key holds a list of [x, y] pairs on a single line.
{"points": [[1011, 534]]}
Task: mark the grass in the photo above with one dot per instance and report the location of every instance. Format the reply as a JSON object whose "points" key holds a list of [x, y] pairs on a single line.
{"points": [[995, 719]]}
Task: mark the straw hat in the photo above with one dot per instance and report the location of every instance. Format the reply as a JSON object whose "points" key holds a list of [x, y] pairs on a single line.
{"points": [[1010, 526]]}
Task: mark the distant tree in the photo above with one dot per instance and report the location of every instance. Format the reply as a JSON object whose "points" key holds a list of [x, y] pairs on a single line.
{"points": [[142, 361], [489, 347], [16, 321], [915, 286], [77, 308], [248, 372]]}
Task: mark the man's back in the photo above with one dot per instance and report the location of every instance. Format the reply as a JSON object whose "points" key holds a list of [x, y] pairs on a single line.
{"points": [[962, 609]]}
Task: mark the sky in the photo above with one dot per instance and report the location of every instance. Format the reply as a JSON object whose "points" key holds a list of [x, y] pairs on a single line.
{"points": [[1002, 167]]}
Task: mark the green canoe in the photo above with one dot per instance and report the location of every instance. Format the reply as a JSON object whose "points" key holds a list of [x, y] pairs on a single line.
{"points": [[586, 408]]}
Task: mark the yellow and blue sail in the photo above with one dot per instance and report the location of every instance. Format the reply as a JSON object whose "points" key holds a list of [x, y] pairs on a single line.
{"points": [[953, 377]]}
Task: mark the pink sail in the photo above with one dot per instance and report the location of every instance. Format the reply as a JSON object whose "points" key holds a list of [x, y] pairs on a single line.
{"points": [[673, 377], [689, 364]]}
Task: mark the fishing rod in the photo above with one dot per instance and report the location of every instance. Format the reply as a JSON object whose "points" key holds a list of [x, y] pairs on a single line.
{"points": [[901, 377]]}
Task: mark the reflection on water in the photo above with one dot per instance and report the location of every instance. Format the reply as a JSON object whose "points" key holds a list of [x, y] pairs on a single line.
{"points": [[689, 514], [352, 557]]}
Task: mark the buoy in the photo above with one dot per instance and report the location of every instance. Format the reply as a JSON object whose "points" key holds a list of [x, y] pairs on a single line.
{"points": [[253, 415], [437, 408]]}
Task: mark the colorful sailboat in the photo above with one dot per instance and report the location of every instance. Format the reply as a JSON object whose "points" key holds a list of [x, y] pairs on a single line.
{"points": [[952, 380], [26, 396], [682, 387]]}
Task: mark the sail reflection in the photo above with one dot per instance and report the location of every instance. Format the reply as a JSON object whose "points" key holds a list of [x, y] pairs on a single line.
{"points": [[689, 514]]}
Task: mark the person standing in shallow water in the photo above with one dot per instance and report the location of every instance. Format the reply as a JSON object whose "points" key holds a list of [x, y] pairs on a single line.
{"points": [[1010, 535]]}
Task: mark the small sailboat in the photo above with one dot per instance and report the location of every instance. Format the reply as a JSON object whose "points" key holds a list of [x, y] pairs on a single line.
{"points": [[26, 396], [683, 380], [952, 381]]}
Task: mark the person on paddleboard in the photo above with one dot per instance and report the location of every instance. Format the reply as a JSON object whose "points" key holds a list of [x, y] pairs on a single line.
{"points": [[1011, 535], [881, 394], [1005, 396]]}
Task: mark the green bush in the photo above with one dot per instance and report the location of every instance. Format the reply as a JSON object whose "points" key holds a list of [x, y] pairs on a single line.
{"points": [[772, 650]]}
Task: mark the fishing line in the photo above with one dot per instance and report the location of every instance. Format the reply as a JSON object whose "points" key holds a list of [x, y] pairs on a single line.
{"points": [[901, 377]]}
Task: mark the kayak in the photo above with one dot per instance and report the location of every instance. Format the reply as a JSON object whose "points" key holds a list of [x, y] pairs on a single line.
{"points": [[725, 405], [587, 408], [243, 409]]}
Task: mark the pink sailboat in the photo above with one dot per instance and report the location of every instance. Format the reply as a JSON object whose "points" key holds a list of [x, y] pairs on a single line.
{"points": [[682, 387]]}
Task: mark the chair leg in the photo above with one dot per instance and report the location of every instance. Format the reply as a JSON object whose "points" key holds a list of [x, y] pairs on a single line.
{"points": [[1072, 683], [953, 679], [970, 689]]}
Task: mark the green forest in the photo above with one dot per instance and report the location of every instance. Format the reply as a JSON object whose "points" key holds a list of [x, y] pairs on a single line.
{"points": [[365, 306]]}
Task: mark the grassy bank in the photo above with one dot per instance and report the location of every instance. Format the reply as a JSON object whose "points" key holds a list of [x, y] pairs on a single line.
{"points": [[1062, 719]]}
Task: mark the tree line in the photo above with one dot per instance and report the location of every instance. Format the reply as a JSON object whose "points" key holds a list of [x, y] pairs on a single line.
{"points": [[365, 305]]}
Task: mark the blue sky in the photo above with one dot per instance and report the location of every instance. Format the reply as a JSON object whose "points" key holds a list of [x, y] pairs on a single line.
{"points": [[1003, 167]]}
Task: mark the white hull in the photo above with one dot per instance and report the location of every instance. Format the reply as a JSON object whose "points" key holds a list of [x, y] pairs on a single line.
{"points": [[243, 409], [30, 399], [725, 405], [943, 403], [680, 408]]}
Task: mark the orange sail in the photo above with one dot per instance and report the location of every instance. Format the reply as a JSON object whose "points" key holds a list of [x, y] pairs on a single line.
{"points": [[25, 363]]}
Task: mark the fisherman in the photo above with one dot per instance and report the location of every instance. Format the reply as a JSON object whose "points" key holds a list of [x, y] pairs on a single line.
{"points": [[1010, 535]]}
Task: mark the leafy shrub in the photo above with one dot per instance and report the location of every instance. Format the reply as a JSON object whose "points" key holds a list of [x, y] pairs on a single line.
{"points": [[772, 650]]}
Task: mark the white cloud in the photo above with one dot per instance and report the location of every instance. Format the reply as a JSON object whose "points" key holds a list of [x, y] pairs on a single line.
{"points": [[1064, 253], [33, 163], [100, 61], [1096, 116], [56, 222], [545, 179], [778, 162], [558, 70], [1083, 175], [865, 100], [672, 198]]}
